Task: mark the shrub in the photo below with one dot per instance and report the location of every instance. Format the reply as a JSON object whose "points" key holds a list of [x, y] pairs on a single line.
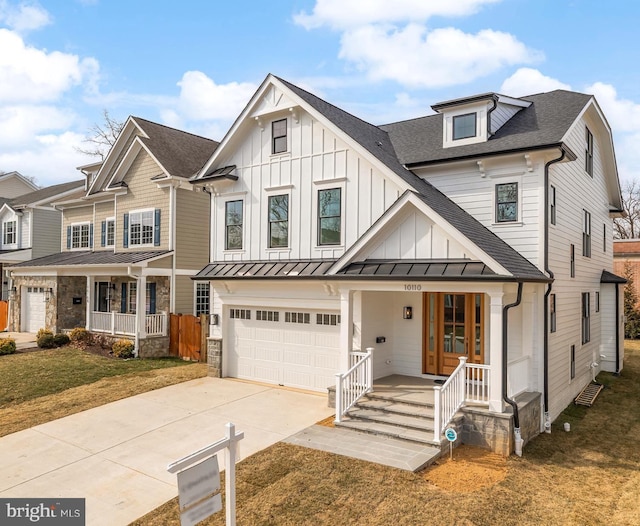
{"points": [[46, 341], [61, 339], [7, 346], [123, 348], [42, 332], [79, 334]]}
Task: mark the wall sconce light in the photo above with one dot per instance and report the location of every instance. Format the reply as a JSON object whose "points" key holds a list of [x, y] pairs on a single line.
{"points": [[215, 319], [13, 293], [48, 293], [407, 313]]}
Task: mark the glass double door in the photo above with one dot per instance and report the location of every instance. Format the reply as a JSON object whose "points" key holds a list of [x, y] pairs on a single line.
{"points": [[453, 327]]}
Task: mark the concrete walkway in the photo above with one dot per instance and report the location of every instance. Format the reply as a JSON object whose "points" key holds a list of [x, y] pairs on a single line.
{"points": [[116, 455], [24, 340]]}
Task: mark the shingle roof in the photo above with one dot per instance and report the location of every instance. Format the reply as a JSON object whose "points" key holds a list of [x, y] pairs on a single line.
{"points": [[46, 193], [85, 257], [377, 141], [181, 153], [543, 123]]}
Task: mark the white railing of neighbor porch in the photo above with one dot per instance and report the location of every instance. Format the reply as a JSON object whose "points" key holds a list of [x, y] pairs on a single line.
{"points": [[118, 323], [100, 321], [355, 383], [448, 398]]}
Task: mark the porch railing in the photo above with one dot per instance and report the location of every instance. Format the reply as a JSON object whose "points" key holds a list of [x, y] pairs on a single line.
{"points": [[478, 382], [448, 398], [125, 324], [355, 383]]}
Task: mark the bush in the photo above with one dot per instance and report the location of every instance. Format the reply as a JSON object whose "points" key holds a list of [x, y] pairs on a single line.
{"points": [[46, 341], [80, 335], [61, 339], [123, 348], [42, 332], [7, 346]]}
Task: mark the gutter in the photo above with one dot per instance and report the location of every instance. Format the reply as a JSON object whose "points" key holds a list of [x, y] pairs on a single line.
{"points": [[489, 112], [545, 353], [617, 373], [505, 397]]}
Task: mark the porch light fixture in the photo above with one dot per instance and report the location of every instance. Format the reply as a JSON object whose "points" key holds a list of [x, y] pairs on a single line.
{"points": [[215, 319], [407, 313]]}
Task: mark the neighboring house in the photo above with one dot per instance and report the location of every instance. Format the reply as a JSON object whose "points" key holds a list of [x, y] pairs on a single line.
{"points": [[131, 240], [29, 224], [481, 232], [627, 252], [12, 184]]}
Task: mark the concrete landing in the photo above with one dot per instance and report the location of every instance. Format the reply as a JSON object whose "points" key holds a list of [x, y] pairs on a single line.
{"points": [[383, 450]]}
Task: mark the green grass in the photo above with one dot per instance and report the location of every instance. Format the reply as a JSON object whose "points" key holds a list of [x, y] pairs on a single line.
{"points": [[27, 376]]}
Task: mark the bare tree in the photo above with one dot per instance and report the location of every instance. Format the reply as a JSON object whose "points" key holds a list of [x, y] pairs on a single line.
{"points": [[628, 227], [101, 137]]}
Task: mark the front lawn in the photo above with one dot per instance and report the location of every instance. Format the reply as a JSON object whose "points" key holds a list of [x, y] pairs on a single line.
{"points": [[589, 476], [40, 386]]}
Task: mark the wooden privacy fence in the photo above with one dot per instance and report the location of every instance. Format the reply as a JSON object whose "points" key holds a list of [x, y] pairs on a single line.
{"points": [[188, 336], [4, 313]]}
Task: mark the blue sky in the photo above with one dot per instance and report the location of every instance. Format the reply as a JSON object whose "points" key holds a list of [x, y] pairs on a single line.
{"points": [[194, 64]]}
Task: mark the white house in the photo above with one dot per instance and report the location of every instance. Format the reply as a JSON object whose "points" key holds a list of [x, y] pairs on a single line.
{"points": [[472, 247]]}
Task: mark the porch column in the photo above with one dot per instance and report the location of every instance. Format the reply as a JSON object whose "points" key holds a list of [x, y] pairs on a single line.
{"points": [[495, 351], [141, 307], [88, 302], [346, 329]]}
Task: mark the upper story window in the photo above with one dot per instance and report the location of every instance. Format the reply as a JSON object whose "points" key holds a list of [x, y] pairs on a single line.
{"points": [[464, 126], [586, 234], [588, 154], [279, 221], [586, 317], [552, 205], [572, 261], [108, 233], [506, 202], [80, 236], [329, 216], [552, 313], [233, 225], [279, 136], [9, 233], [141, 227]]}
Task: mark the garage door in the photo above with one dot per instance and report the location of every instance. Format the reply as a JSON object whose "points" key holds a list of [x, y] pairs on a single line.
{"points": [[287, 347], [34, 309]]}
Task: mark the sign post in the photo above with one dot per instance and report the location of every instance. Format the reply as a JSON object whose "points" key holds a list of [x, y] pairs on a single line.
{"points": [[451, 435], [199, 480]]}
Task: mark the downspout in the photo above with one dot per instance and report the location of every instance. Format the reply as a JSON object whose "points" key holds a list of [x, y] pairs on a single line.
{"points": [[172, 247], [545, 339], [137, 335], [505, 395], [489, 112], [617, 373]]}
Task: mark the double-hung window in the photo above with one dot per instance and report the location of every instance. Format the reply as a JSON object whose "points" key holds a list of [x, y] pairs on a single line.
{"points": [[233, 225], [588, 152], [552, 313], [9, 233], [464, 126], [109, 232], [586, 317], [141, 225], [552, 205], [279, 136], [80, 235], [329, 216], [586, 234], [279, 221], [506, 202]]}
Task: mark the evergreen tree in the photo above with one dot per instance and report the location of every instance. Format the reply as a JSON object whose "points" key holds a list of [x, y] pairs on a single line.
{"points": [[631, 313]]}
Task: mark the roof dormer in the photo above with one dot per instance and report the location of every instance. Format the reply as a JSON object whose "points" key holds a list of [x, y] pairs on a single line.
{"points": [[475, 119]]}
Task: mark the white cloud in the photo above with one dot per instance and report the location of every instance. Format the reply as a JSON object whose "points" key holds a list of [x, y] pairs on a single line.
{"points": [[623, 114], [19, 124], [24, 17], [527, 81], [342, 14], [415, 57], [33, 75]]}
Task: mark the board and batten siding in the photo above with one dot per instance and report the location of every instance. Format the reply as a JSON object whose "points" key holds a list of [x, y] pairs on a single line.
{"points": [[46, 232], [577, 191], [142, 194], [317, 159], [192, 229], [475, 191]]}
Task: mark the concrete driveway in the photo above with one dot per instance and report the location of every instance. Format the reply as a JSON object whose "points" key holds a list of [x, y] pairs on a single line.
{"points": [[116, 455]]}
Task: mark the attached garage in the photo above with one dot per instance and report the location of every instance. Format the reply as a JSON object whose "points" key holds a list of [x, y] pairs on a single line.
{"points": [[293, 348], [34, 308]]}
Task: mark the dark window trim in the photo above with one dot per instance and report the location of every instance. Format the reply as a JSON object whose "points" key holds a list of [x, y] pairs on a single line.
{"points": [[586, 317], [228, 225], [552, 313], [282, 222], [498, 203], [586, 234], [276, 142], [552, 205], [573, 362], [572, 264], [588, 158], [475, 126], [321, 217]]}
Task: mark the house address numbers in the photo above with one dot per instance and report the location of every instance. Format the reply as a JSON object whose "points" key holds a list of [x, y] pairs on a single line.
{"points": [[412, 287]]}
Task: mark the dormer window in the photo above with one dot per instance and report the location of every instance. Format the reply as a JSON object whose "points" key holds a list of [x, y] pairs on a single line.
{"points": [[464, 126], [9, 233], [279, 136]]}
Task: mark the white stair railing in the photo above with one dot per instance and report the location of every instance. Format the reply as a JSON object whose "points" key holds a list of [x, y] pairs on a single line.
{"points": [[448, 398], [355, 383], [478, 382]]}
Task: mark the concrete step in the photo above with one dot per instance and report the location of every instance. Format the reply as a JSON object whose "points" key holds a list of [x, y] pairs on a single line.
{"points": [[409, 421], [423, 436], [424, 400], [395, 407]]}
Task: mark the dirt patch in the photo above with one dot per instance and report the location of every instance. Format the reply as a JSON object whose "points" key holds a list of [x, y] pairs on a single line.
{"points": [[327, 422], [470, 470]]}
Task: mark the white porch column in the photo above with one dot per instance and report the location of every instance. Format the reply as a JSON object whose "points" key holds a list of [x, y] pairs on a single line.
{"points": [[346, 328], [495, 351], [89, 302], [141, 307]]}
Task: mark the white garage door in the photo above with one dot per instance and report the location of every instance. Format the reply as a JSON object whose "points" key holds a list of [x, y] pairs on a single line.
{"points": [[34, 312], [287, 347]]}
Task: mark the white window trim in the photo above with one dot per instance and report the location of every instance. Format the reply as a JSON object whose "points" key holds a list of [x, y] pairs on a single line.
{"points": [[106, 232], [328, 185], [80, 224], [15, 232], [153, 228], [195, 295], [506, 179], [271, 193], [480, 109]]}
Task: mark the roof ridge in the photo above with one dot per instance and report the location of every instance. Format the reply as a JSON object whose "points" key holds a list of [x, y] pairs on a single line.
{"points": [[172, 128]]}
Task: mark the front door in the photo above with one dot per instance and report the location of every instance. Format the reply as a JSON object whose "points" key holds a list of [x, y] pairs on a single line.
{"points": [[101, 296], [453, 326]]}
